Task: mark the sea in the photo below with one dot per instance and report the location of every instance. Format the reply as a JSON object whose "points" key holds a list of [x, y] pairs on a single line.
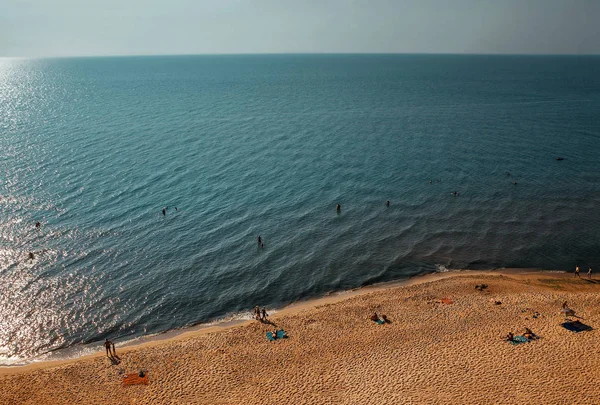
{"points": [[232, 147]]}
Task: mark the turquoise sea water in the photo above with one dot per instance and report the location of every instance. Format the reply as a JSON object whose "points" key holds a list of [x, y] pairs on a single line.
{"points": [[95, 148]]}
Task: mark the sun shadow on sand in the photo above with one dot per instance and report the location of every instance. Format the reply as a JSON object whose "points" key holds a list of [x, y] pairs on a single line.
{"points": [[268, 322], [576, 326]]}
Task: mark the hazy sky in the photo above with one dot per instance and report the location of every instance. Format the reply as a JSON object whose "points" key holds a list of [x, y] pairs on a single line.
{"points": [[116, 27]]}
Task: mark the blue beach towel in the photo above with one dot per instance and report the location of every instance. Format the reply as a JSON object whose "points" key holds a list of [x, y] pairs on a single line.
{"points": [[380, 321], [280, 334], [518, 339], [576, 326]]}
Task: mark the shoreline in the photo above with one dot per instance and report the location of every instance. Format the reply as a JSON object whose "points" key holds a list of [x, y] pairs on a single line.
{"points": [[147, 341], [444, 343]]}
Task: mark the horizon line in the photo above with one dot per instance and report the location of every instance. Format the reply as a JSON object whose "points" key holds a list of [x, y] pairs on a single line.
{"points": [[141, 55]]}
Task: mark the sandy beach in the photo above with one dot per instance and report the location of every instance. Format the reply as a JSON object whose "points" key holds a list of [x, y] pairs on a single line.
{"points": [[430, 353]]}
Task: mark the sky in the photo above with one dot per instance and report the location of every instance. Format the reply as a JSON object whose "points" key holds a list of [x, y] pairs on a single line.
{"points": [[147, 27]]}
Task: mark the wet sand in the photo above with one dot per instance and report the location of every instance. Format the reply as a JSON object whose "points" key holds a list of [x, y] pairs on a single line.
{"points": [[430, 353]]}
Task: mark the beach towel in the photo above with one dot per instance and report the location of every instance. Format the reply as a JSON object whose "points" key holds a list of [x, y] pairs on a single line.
{"points": [[576, 326], [380, 321], [134, 379], [518, 339], [280, 334], [446, 301]]}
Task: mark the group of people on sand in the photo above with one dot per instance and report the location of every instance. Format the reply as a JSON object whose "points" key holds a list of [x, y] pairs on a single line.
{"points": [[589, 272], [111, 353], [377, 318], [528, 334], [260, 314]]}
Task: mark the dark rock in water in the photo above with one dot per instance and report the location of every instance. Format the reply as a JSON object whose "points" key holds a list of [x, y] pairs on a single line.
{"points": [[560, 158]]}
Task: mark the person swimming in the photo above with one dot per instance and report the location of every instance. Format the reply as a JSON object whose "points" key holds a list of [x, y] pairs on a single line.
{"points": [[37, 225]]}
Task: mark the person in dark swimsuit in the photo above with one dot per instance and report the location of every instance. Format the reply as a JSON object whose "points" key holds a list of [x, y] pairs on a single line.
{"points": [[107, 346]]}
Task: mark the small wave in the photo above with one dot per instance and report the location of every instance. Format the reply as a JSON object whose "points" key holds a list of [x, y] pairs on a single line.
{"points": [[440, 268]]}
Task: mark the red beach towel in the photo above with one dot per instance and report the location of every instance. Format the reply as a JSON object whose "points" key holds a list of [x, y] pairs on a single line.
{"points": [[134, 379]]}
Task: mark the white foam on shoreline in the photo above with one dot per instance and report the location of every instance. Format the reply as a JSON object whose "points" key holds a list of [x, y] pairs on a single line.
{"points": [[76, 351]]}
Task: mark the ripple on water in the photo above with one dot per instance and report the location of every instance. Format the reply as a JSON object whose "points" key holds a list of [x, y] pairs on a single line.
{"points": [[94, 149]]}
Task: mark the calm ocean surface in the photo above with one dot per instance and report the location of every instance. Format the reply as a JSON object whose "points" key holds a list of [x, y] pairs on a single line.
{"points": [[94, 148]]}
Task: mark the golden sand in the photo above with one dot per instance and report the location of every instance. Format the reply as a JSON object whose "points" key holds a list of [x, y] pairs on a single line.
{"points": [[430, 353]]}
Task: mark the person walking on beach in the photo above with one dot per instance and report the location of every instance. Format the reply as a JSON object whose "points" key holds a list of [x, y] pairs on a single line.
{"points": [[577, 272], [263, 314], [257, 313], [114, 351], [107, 346], [589, 273]]}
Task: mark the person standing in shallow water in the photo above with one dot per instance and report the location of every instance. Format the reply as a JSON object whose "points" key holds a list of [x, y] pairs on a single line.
{"points": [[259, 240], [387, 203], [338, 208], [164, 211], [577, 272], [589, 273]]}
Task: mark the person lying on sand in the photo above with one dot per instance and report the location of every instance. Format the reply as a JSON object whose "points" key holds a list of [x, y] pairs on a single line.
{"points": [[529, 334], [384, 318], [510, 337], [374, 317]]}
